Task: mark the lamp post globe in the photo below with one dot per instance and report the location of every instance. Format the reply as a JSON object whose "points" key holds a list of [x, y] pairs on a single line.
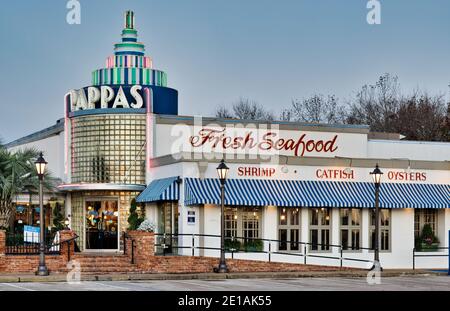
{"points": [[40, 168], [222, 172], [41, 164], [376, 175]]}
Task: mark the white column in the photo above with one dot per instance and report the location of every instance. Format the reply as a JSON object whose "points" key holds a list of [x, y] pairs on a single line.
{"points": [[270, 226], [304, 219], [335, 236], [365, 228]]}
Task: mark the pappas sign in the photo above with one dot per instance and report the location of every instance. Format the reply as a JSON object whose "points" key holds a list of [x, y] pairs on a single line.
{"points": [[105, 97]]}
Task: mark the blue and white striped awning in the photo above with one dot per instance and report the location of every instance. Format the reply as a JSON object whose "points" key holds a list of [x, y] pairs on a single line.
{"points": [[259, 192], [166, 189]]}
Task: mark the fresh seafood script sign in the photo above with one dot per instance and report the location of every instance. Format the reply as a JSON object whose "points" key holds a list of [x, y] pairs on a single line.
{"points": [[270, 141], [267, 140]]}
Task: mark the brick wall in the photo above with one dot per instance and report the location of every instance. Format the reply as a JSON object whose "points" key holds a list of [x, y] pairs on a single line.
{"points": [[148, 263], [145, 260], [29, 263]]}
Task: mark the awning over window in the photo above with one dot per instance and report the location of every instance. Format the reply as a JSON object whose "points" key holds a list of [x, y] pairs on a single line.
{"points": [[258, 192], [166, 189]]}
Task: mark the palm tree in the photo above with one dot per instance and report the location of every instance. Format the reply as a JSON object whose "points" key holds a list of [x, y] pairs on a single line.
{"points": [[17, 173]]}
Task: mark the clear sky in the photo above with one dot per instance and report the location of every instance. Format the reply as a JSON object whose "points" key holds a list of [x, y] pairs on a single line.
{"points": [[215, 51]]}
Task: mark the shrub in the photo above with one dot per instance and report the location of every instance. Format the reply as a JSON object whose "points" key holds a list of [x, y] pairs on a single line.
{"points": [[134, 220], [253, 245], [234, 245], [427, 236]]}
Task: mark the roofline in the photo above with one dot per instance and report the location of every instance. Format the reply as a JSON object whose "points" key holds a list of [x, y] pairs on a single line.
{"points": [[419, 142], [42, 134], [283, 125]]}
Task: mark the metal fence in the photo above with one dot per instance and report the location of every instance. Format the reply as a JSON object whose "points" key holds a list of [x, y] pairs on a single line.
{"points": [[28, 244], [430, 253], [168, 244]]}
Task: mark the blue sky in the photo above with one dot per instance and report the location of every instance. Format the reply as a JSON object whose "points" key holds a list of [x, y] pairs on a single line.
{"points": [[215, 51]]}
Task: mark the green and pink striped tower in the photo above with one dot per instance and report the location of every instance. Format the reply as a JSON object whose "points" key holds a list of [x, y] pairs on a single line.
{"points": [[129, 65]]}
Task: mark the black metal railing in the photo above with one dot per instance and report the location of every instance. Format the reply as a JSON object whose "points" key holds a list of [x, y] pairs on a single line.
{"points": [[68, 242], [304, 250], [429, 253], [28, 244]]}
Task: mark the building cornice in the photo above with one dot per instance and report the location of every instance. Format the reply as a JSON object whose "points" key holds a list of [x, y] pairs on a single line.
{"points": [[282, 125], [98, 186]]}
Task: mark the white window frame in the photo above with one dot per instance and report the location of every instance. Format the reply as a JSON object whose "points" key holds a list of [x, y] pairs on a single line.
{"points": [[320, 227], [383, 229], [350, 227], [288, 213]]}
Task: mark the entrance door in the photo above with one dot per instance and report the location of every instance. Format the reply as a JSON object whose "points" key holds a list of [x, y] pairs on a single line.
{"points": [[168, 224], [102, 225]]}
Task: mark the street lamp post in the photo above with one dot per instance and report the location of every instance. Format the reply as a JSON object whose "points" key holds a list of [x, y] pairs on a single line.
{"points": [[40, 168], [376, 175], [222, 171]]}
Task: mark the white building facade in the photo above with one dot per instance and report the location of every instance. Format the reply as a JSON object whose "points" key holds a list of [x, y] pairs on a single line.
{"points": [[292, 190]]}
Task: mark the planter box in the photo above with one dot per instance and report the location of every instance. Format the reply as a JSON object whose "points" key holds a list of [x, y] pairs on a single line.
{"points": [[433, 247]]}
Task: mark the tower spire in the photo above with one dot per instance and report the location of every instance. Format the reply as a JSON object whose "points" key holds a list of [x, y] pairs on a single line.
{"points": [[129, 19]]}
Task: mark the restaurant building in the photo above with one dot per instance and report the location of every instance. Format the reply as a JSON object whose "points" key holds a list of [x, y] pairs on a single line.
{"points": [[122, 138]]}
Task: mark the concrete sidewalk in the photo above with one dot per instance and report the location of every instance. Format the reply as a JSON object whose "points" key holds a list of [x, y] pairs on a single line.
{"points": [[18, 278]]}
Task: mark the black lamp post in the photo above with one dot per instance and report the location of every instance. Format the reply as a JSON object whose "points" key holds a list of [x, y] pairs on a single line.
{"points": [[40, 168], [376, 175], [222, 171]]}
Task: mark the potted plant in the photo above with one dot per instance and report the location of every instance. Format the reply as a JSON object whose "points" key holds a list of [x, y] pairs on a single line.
{"points": [[428, 240]]}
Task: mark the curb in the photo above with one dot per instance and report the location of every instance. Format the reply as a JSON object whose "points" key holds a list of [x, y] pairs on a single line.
{"points": [[211, 276]]}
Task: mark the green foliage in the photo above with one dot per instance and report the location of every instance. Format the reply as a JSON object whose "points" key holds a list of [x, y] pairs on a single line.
{"points": [[427, 241], [234, 245], [18, 174], [427, 236], [58, 218], [134, 219], [247, 246], [253, 245]]}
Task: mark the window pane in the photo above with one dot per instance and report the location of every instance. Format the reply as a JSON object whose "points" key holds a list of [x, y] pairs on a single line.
{"points": [[314, 239], [344, 217], [294, 238], [325, 239], [283, 237], [384, 216], [344, 239], [314, 216], [355, 239], [294, 219], [283, 216], [356, 217], [325, 219]]}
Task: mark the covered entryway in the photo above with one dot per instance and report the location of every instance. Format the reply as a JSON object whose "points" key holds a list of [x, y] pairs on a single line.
{"points": [[102, 224]]}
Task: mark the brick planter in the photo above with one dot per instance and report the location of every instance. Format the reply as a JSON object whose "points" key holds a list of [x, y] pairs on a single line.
{"points": [[144, 247], [29, 263]]}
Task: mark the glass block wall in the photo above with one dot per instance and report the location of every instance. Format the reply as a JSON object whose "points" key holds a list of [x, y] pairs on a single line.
{"points": [[109, 149]]}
